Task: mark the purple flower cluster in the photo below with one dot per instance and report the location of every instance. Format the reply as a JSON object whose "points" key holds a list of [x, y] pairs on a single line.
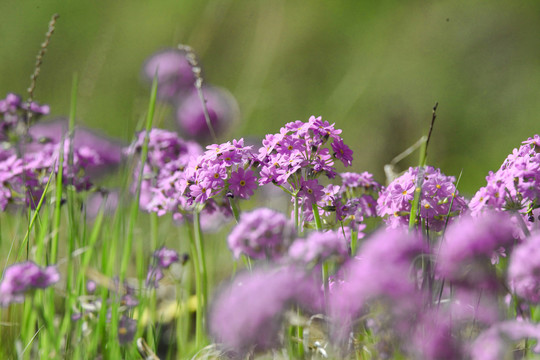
{"points": [[318, 246], [14, 112], [299, 154], [516, 185], [261, 234], [224, 169], [465, 254], [162, 259], [168, 157], [524, 270], [20, 278], [438, 193], [247, 314], [176, 85]]}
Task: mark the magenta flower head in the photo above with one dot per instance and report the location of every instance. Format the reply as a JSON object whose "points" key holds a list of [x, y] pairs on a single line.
{"points": [[126, 330], [318, 246], [109, 151], [247, 314], [222, 111], [382, 270], [438, 194], [261, 234], [524, 269], [469, 244], [515, 186], [23, 277], [166, 257], [497, 342], [174, 73]]}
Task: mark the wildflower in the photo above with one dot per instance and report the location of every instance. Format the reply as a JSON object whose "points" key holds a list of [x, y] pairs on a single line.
{"points": [[438, 193], [220, 168], [261, 234], [493, 343], [342, 152], [515, 186], [221, 107], [126, 330], [163, 258], [20, 278], [242, 183], [318, 246], [381, 270], [247, 314], [173, 70], [465, 253], [524, 269]]}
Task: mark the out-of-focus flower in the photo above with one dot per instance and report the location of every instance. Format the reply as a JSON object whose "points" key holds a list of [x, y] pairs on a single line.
{"points": [[126, 330], [318, 246], [247, 314], [173, 70], [465, 253], [222, 111], [22, 277], [383, 270], [261, 234], [438, 193], [162, 259], [524, 269], [495, 342]]}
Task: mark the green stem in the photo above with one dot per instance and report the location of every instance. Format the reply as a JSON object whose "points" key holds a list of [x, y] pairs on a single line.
{"points": [[201, 281], [235, 210]]}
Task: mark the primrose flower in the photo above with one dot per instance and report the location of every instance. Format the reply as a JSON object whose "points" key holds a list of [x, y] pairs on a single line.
{"points": [[20, 278], [465, 253], [126, 330], [524, 269], [261, 234], [247, 314], [222, 170], [163, 258], [173, 70], [515, 186], [438, 192], [222, 110], [318, 246]]}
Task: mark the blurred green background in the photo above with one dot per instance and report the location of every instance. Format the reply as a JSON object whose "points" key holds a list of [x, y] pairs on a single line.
{"points": [[375, 68]]}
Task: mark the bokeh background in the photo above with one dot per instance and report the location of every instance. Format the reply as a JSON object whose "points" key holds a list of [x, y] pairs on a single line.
{"points": [[375, 68]]}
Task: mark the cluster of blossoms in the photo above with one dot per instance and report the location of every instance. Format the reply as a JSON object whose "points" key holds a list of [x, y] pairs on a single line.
{"points": [[439, 199], [162, 259], [23, 277], [299, 154], [168, 157], [516, 185], [261, 234], [26, 162], [249, 312], [224, 169], [176, 85], [14, 113]]}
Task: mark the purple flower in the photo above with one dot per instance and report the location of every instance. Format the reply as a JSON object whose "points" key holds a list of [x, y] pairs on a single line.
{"points": [[515, 186], [524, 269], [126, 330], [242, 183], [381, 270], [220, 167], [464, 256], [247, 314], [342, 152], [166, 257], [495, 342], [174, 73], [222, 111], [261, 234], [22, 277], [437, 194], [318, 246]]}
